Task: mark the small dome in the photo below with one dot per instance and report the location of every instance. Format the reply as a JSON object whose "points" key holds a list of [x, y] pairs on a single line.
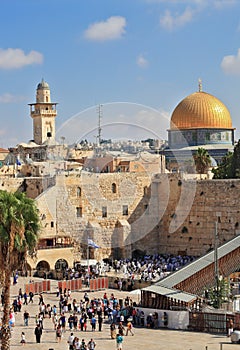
{"points": [[43, 85], [200, 110]]}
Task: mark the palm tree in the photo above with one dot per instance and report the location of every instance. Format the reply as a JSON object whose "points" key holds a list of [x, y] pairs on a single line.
{"points": [[202, 160], [19, 226]]}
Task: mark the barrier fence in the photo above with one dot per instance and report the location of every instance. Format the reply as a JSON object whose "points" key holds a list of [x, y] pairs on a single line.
{"points": [[73, 285], [38, 287], [98, 283]]}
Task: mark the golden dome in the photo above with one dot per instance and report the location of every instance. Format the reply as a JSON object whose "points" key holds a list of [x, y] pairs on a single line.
{"points": [[200, 110]]}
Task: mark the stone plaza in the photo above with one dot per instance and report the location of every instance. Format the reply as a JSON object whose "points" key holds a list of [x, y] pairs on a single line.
{"points": [[164, 339]]}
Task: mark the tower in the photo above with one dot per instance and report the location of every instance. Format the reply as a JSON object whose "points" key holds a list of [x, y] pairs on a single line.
{"points": [[43, 113]]}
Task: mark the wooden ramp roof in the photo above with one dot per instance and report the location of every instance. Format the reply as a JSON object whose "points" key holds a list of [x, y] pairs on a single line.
{"points": [[187, 283]]}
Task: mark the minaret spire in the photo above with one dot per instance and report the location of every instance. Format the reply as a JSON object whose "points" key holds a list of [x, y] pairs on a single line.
{"points": [[200, 85]]}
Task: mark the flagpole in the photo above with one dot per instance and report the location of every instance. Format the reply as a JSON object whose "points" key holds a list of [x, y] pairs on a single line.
{"points": [[88, 254]]}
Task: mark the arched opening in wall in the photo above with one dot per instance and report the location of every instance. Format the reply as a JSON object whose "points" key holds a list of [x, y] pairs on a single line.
{"points": [[46, 98], [114, 188], [61, 265], [79, 192], [42, 268], [138, 253], [43, 265]]}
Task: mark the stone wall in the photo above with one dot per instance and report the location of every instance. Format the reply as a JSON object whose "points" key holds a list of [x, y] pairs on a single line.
{"points": [[165, 213], [191, 211]]}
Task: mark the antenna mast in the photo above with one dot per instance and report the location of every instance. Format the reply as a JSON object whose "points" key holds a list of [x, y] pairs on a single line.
{"points": [[99, 136]]}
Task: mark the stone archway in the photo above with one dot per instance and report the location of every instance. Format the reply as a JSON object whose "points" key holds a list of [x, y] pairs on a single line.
{"points": [[43, 266], [61, 265]]}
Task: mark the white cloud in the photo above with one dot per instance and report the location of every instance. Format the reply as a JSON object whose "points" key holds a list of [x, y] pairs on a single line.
{"points": [[231, 64], [112, 28], [142, 61], [8, 98], [16, 58], [170, 21]]}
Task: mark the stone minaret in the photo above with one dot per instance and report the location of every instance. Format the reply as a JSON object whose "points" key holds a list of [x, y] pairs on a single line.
{"points": [[43, 113]]}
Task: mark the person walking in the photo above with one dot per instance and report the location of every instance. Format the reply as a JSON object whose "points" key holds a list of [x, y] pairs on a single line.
{"points": [[129, 327], [91, 344], [113, 330], [59, 333], [119, 341], [83, 345], [100, 321], [121, 328], [38, 333], [31, 297], [26, 317], [70, 341], [25, 296], [93, 323], [23, 338]]}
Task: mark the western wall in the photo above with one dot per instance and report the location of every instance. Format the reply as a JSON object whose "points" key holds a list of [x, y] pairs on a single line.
{"points": [[166, 214]]}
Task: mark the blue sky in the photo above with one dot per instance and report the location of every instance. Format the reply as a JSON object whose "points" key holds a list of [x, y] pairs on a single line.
{"points": [[138, 58]]}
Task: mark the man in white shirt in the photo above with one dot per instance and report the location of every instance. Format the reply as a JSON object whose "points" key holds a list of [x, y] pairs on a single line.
{"points": [[70, 341]]}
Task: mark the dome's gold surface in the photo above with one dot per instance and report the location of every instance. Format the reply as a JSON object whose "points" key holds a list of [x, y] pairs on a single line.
{"points": [[201, 110]]}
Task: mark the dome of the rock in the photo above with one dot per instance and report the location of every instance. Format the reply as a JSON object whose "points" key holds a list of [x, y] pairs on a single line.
{"points": [[200, 110]]}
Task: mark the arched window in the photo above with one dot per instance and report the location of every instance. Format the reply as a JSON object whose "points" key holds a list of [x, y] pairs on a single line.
{"points": [[114, 188], [79, 192], [61, 264]]}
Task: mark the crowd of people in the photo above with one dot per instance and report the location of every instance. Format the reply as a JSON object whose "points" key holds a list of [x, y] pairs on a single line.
{"points": [[151, 267], [70, 314], [146, 268], [89, 313]]}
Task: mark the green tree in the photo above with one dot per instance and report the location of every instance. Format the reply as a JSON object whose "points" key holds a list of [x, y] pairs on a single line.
{"points": [[236, 161], [19, 227], [219, 294], [202, 160], [225, 168], [229, 168]]}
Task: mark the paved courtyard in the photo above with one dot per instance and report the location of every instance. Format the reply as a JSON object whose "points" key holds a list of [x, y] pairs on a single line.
{"points": [[144, 339]]}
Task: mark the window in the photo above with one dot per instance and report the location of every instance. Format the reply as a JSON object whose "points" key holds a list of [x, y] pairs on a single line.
{"points": [[104, 212], [52, 223], [49, 242], [114, 188], [125, 209], [145, 190], [79, 212], [79, 192]]}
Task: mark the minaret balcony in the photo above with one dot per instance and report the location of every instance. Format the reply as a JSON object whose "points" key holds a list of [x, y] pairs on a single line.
{"points": [[42, 112]]}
